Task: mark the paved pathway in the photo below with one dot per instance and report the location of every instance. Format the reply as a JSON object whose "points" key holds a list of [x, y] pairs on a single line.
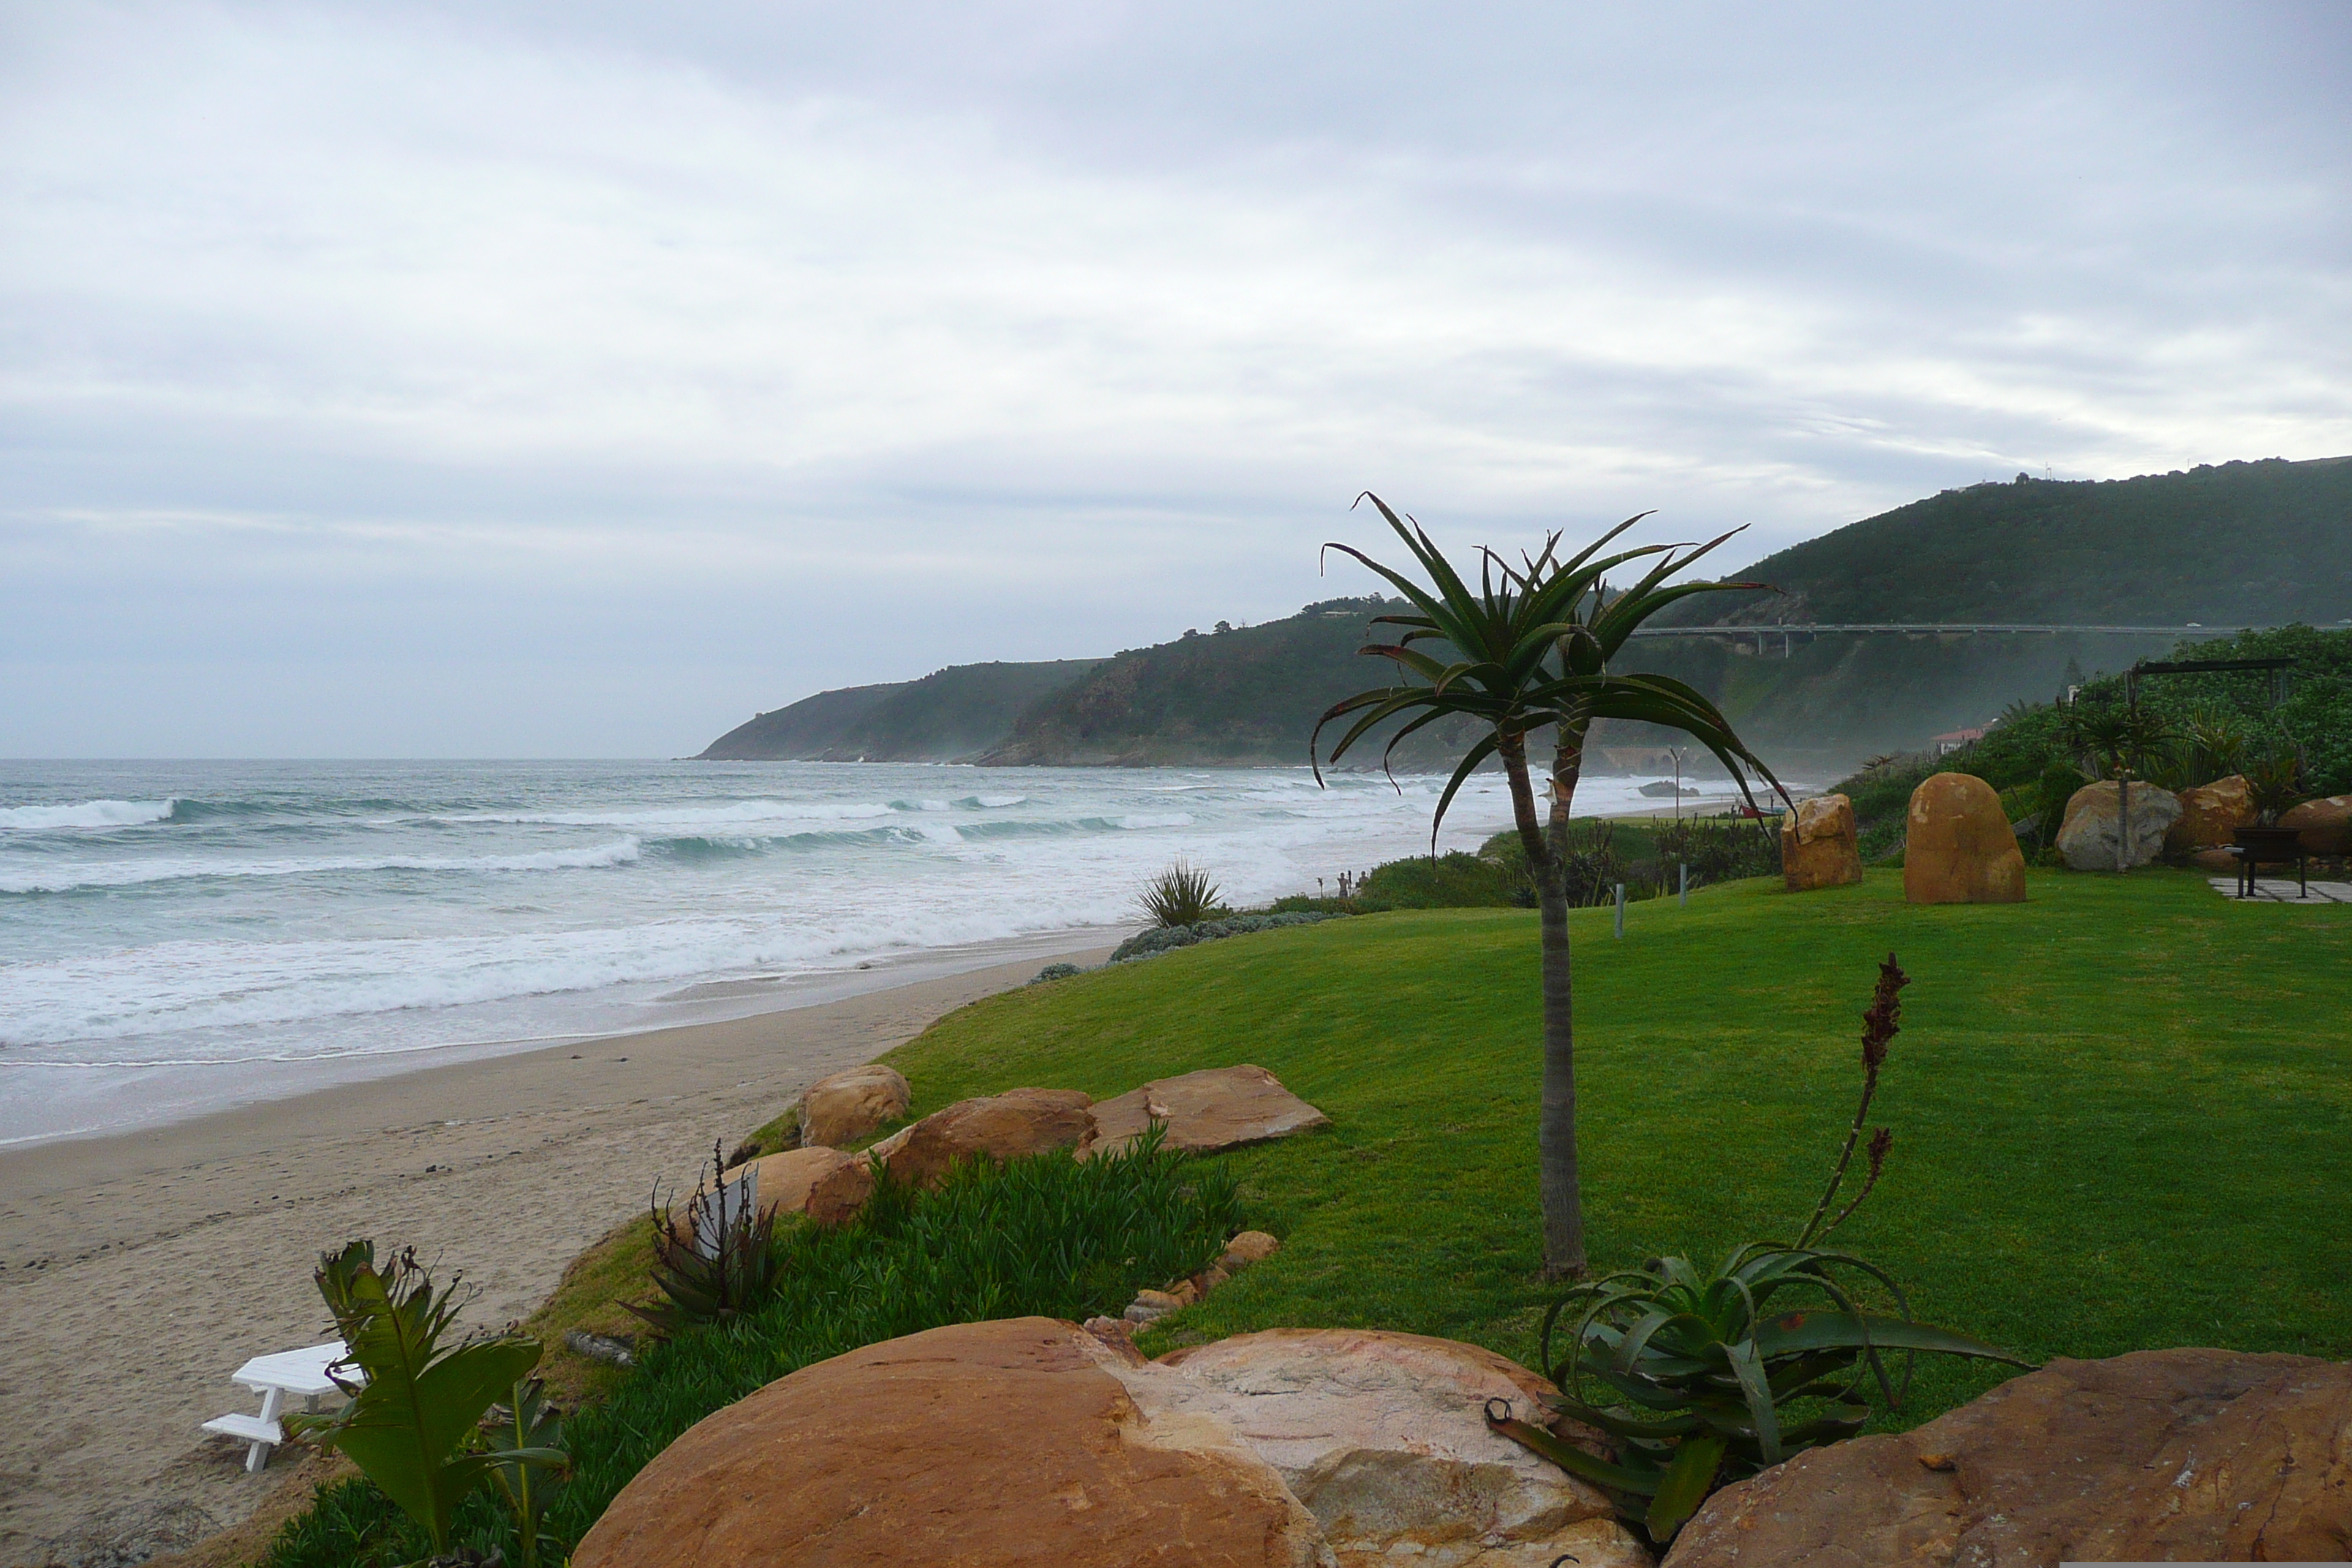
{"points": [[2282, 890]]}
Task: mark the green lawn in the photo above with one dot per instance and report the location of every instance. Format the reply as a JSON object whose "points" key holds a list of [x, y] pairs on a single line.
{"points": [[2122, 1111]]}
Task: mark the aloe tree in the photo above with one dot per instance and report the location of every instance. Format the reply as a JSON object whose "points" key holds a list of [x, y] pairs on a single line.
{"points": [[1530, 649]]}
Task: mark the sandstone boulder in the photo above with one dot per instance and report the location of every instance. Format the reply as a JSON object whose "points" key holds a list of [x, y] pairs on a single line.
{"points": [[1818, 845], [1957, 847], [1219, 1108], [2090, 838], [2159, 1455], [1382, 1438], [2325, 825], [823, 1184], [897, 1455], [2209, 815], [849, 1105], [1001, 1126]]}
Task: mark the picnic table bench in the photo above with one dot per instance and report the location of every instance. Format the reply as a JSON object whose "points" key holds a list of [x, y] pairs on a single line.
{"points": [[302, 1373]]}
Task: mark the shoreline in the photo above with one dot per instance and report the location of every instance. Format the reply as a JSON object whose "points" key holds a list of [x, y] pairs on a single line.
{"points": [[233, 1085], [139, 1268]]}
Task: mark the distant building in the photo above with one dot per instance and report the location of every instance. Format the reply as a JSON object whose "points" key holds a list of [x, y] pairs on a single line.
{"points": [[1947, 743]]}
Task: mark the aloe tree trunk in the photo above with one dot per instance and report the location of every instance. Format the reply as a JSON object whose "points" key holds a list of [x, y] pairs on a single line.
{"points": [[1546, 845]]}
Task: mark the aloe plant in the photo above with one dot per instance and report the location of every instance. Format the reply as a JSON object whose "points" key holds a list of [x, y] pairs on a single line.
{"points": [[2275, 785], [1530, 649], [719, 1264], [1692, 1371], [411, 1416]]}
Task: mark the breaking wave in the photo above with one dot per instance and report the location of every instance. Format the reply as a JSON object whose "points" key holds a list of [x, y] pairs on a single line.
{"points": [[87, 813]]}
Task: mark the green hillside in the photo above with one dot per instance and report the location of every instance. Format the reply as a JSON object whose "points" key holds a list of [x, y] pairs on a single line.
{"points": [[2242, 544], [947, 715], [1242, 695], [2262, 543]]}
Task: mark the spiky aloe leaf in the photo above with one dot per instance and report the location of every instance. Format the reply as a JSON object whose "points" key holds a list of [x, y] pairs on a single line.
{"points": [[1683, 1487]]}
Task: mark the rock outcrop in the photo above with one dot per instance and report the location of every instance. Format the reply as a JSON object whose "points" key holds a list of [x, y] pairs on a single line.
{"points": [[2090, 836], [2209, 815], [1382, 1438], [1312, 1448], [1819, 845], [1001, 1126], [1957, 846], [898, 1455], [2161, 1455], [2325, 825], [841, 1109], [823, 1184], [1218, 1108]]}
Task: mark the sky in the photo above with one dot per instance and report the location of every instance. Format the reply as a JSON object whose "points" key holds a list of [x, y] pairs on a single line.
{"points": [[579, 379]]}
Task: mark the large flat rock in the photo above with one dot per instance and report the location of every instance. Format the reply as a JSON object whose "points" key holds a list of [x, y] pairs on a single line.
{"points": [[1383, 1437], [2162, 1457], [1217, 1107], [982, 1446]]}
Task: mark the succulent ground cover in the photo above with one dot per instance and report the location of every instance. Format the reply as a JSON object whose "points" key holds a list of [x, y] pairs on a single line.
{"points": [[2124, 1110]]}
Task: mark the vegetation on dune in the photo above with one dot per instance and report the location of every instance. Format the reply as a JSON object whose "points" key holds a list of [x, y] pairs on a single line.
{"points": [[2125, 1107], [1529, 652], [1049, 1235], [2189, 730]]}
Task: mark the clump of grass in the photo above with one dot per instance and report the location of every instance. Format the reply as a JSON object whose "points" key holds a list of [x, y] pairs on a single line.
{"points": [[1182, 895], [1048, 1236]]}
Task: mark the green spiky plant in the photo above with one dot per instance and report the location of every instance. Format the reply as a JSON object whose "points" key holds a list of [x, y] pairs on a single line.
{"points": [[2275, 785], [1182, 895], [718, 1262], [411, 1422], [1692, 1372], [1529, 649]]}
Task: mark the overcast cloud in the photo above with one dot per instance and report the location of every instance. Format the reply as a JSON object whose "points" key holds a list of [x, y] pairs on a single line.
{"points": [[575, 380]]}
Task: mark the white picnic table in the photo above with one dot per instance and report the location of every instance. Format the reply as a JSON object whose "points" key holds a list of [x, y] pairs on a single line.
{"points": [[302, 1373]]}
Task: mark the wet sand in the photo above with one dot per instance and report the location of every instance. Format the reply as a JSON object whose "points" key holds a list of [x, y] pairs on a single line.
{"points": [[136, 1271]]}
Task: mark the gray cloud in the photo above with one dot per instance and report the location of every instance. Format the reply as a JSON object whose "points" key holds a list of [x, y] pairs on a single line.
{"points": [[576, 379]]}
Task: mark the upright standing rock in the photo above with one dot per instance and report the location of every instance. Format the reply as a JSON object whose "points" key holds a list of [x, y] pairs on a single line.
{"points": [[1819, 848], [1959, 848], [2091, 839], [2210, 816]]}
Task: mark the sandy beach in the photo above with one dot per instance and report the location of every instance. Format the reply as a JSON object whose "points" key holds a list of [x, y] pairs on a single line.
{"points": [[137, 1271]]}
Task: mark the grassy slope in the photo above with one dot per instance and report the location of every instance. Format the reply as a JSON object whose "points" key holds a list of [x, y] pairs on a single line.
{"points": [[2120, 1110]]}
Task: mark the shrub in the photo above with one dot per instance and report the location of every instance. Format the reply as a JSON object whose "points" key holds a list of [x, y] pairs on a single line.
{"points": [[1164, 939], [411, 1422], [1182, 895], [721, 1264], [1049, 1235]]}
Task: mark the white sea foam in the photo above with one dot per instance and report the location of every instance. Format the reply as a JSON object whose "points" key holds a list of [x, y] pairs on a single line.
{"points": [[738, 813], [69, 877], [341, 911], [87, 813]]}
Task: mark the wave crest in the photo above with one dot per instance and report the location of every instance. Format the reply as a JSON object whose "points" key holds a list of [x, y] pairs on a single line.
{"points": [[87, 813]]}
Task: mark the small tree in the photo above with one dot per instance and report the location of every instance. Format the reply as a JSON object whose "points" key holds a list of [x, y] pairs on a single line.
{"points": [[1532, 647]]}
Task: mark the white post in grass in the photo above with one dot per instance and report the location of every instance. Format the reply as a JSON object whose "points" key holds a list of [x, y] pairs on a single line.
{"points": [[1683, 896], [1620, 911]]}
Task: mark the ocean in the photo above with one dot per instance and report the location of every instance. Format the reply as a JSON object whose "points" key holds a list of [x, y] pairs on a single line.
{"points": [[181, 937]]}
